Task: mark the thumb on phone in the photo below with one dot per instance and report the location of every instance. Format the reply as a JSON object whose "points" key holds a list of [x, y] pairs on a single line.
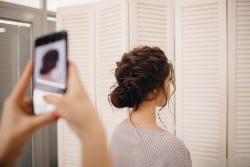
{"points": [[40, 120], [58, 102], [53, 99]]}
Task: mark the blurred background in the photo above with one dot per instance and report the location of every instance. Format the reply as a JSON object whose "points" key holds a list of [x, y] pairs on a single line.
{"points": [[207, 41]]}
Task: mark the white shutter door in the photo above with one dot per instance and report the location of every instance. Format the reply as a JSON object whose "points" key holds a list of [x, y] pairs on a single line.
{"points": [[151, 24], [201, 64], [111, 43], [239, 83], [79, 21]]}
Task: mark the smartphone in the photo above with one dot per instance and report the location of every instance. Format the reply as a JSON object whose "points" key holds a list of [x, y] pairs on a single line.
{"points": [[50, 70]]}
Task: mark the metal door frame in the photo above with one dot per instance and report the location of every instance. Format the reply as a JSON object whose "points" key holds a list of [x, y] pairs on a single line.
{"points": [[37, 17]]}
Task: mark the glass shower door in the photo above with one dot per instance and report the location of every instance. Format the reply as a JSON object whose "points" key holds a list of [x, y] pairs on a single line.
{"points": [[15, 49]]}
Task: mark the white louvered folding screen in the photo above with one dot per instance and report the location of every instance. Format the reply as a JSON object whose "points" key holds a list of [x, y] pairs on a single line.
{"points": [[79, 21], [111, 43], [201, 97], [151, 23], [239, 83]]}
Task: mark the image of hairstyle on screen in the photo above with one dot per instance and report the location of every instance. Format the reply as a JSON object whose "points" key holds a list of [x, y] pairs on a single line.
{"points": [[49, 61]]}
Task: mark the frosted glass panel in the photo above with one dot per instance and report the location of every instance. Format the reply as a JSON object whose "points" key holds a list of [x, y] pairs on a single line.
{"points": [[30, 3], [15, 49], [54, 4]]}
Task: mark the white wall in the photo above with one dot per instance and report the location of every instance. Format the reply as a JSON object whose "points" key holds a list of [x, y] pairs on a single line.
{"points": [[208, 41]]}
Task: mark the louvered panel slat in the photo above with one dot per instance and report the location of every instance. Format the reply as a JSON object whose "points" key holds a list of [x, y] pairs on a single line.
{"points": [[150, 24], [201, 81], [111, 43], [79, 21], [71, 147], [242, 147], [188, 18], [239, 82]]}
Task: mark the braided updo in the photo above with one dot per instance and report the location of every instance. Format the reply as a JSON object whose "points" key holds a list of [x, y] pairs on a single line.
{"points": [[138, 73]]}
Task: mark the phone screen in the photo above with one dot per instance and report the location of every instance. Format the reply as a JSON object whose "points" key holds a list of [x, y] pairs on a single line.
{"points": [[50, 70]]}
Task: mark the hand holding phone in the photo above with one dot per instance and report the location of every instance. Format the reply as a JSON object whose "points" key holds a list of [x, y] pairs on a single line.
{"points": [[50, 70]]}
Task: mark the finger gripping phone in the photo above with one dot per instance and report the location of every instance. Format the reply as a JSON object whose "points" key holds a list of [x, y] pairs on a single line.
{"points": [[50, 70]]}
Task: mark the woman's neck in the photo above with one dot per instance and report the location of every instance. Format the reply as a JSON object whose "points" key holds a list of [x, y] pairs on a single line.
{"points": [[47, 76], [144, 115]]}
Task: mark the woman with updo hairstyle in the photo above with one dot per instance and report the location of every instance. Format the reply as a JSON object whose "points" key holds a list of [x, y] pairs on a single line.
{"points": [[144, 77], [49, 62]]}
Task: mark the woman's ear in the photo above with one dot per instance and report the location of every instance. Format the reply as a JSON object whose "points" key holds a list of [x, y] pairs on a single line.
{"points": [[162, 98], [152, 95], [156, 93], [158, 101]]}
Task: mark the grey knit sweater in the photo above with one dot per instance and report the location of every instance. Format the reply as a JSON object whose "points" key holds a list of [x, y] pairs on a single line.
{"points": [[132, 146]]}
